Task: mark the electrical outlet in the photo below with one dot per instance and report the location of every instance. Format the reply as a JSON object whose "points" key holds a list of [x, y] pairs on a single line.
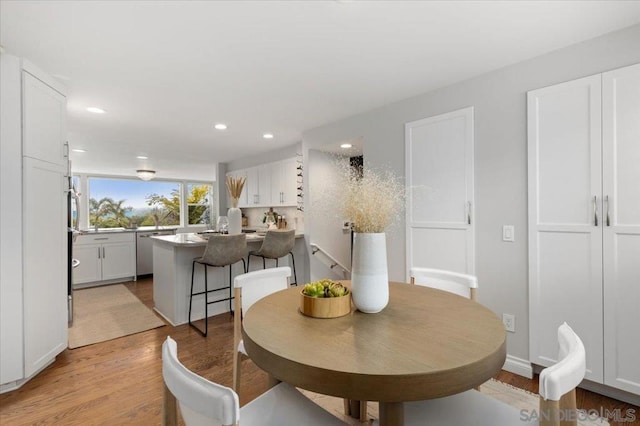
{"points": [[509, 321]]}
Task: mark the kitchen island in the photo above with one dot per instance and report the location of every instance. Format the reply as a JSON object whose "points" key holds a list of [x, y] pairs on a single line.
{"points": [[172, 260]]}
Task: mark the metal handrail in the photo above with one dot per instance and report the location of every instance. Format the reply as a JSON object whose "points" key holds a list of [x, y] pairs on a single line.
{"points": [[316, 248]]}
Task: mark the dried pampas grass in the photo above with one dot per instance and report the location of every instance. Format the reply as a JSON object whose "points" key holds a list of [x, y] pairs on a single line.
{"points": [[234, 186]]}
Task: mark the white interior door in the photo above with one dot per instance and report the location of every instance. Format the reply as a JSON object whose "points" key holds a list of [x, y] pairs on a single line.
{"points": [[621, 191], [565, 219], [439, 167]]}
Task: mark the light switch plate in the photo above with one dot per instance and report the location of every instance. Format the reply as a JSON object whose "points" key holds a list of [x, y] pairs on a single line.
{"points": [[508, 233]]}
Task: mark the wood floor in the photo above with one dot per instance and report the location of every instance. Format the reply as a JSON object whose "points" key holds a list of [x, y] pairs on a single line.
{"points": [[120, 382]]}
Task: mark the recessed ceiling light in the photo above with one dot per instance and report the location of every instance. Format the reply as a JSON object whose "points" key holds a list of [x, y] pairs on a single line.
{"points": [[268, 136], [96, 110], [142, 157], [220, 126], [78, 150], [346, 145]]}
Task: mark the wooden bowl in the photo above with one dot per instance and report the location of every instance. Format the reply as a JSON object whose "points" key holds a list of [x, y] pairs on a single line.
{"points": [[325, 307]]}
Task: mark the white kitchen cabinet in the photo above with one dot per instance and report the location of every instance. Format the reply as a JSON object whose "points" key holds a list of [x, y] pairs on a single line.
{"points": [[44, 126], [45, 263], [621, 226], [283, 183], [33, 301], [269, 185], [584, 222], [105, 257]]}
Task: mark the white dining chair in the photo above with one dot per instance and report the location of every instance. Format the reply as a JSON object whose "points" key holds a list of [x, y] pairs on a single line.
{"points": [[203, 402], [473, 408], [453, 282], [248, 289]]}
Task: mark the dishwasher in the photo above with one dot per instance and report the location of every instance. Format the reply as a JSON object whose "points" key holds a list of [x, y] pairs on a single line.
{"points": [[144, 250]]}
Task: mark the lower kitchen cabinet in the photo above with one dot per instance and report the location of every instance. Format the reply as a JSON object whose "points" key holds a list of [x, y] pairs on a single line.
{"points": [[104, 257]]}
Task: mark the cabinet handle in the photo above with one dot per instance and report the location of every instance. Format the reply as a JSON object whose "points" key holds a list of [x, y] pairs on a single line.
{"points": [[66, 149], [607, 220], [97, 239], [468, 212], [99, 253], [281, 197], [595, 210], [104, 255]]}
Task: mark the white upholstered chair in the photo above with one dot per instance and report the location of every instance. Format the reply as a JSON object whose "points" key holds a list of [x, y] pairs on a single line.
{"points": [[203, 402], [453, 282], [248, 289], [472, 408]]}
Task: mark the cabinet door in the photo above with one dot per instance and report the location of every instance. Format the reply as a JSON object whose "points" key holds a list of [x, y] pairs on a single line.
{"points": [[45, 263], [118, 260], [621, 188], [565, 219], [44, 121], [288, 182], [283, 183], [253, 187], [265, 174], [89, 269]]}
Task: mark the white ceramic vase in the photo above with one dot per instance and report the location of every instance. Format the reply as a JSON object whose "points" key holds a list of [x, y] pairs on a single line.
{"points": [[369, 275], [235, 220]]}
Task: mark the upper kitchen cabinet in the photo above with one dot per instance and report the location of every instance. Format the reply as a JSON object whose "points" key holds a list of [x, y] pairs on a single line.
{"points": [[44, 119], [269, 185], [283, 183]]}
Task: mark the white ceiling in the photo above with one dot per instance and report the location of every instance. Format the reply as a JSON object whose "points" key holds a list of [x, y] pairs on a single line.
{"points": [[167, 71]]}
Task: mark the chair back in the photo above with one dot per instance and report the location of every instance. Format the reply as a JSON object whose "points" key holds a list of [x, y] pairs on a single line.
{"points": [[201, 402], [224, 250], [453, 282], [253, 286], [569, 371], [277, 243], [558, 383]]}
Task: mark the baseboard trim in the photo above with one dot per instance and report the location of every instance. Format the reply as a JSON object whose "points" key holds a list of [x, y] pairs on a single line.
{"points": [[518, 366], [611, 392]]}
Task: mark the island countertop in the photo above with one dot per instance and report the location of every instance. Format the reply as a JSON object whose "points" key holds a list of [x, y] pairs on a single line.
{"points": [[196, 240]]}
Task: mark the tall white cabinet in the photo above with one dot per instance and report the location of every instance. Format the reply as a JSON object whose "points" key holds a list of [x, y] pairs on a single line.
{"points": [[34, 276], [584, 222]]}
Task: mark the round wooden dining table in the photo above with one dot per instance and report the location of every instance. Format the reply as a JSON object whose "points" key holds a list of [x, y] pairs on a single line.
{"points": [[425, 344]]}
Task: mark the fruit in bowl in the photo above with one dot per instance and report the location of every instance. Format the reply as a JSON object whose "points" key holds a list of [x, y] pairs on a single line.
{"points": [[325, 288], [325, 299]]}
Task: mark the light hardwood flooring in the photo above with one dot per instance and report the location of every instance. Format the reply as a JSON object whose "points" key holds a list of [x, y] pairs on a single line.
{"points": [[120, 381]]}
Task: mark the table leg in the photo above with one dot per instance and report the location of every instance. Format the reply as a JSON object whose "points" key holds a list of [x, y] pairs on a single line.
{"points": [[391, 413], [356, 409]]}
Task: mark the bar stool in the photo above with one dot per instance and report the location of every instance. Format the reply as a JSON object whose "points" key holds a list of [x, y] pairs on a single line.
{"points": [[276, 244], [221, 251]]}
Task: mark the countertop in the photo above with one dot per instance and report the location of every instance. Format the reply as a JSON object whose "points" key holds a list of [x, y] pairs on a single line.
{"points": [[121, 230], [195, 240]]}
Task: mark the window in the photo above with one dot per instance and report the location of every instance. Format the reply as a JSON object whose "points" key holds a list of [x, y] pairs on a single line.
{"points": [[200, 197], [117, 203]]}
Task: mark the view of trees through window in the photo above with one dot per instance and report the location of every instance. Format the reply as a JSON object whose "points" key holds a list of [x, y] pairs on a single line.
{"points": [[115, 203]]}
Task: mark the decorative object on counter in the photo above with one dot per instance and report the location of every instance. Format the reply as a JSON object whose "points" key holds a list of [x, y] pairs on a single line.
{"points": [[146, 174], [270, 219], [325, 299], [234, 188], [222, 226], [371, 200]]}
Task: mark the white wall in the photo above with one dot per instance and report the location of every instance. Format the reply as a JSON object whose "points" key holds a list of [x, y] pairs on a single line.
{"points": [[263, 158], [499, 99], [323, 223]]}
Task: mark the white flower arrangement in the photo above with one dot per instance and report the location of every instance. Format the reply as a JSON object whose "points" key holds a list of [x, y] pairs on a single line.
{"points": [[371, 201]]}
